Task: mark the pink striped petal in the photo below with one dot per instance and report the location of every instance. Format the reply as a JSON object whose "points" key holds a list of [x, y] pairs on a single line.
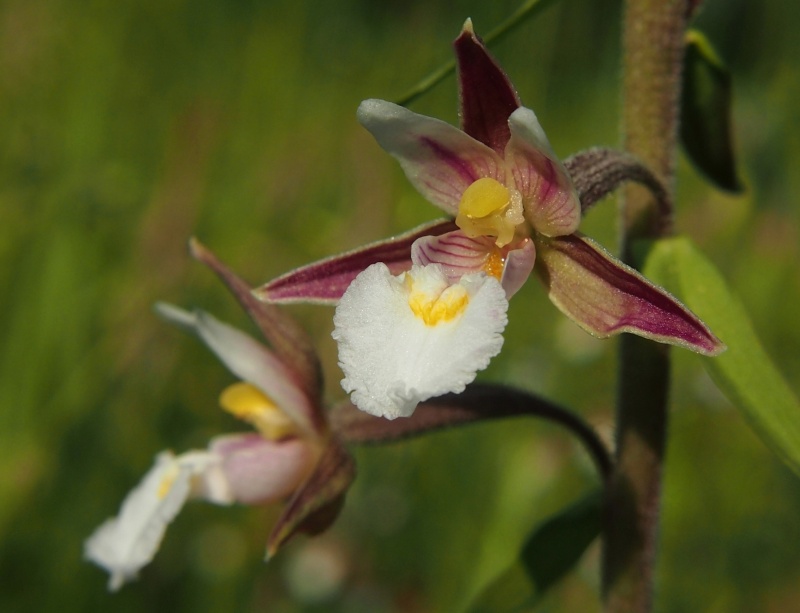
{"points": [[550, 200], [325, 281], [457, 253], [605, 297], [440, 160], [486, 95]]}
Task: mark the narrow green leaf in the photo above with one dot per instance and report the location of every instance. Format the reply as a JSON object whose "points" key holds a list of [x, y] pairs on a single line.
{"points": [[706, 131], [550, 552], [745, 373]]}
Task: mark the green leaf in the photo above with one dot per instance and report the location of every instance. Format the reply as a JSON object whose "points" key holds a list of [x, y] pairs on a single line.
{"points": [[706, 113], [550, 552], [745, 373]]}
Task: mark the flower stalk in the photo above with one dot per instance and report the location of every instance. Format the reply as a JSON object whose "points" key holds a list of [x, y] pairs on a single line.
{"points": [[653, 53], [478, 403]]}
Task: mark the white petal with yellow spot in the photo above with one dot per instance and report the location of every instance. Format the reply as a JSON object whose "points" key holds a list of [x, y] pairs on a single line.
{"points": [[403, 339], [125, 543]]}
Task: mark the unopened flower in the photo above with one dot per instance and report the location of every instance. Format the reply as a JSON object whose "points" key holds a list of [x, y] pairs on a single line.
{"points": [[291, 457]]}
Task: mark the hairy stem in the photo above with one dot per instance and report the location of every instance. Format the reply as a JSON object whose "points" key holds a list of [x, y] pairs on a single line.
{"points": [[479, 402], [597, 172], [653, 47]]}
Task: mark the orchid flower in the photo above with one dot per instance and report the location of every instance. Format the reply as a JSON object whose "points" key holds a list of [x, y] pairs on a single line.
{"points": [[291, 456], [515, 210]]}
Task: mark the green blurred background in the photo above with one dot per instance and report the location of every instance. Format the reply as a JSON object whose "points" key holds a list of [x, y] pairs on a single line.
{"points": [[129, 126]]}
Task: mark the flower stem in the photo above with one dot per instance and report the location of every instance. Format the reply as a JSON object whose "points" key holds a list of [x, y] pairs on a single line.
{"points": [[597, 172], [653, 46], [479, 402]]}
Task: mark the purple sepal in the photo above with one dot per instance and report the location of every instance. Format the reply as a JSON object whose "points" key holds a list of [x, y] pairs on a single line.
{"points": [[288, 340], [316, 504], [605, 297], [487, 97], [325, 281]]}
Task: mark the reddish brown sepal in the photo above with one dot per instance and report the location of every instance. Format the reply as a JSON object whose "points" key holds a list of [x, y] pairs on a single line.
{"points": [[314, 506], [487, 97], [324, 281], [288, 340]]}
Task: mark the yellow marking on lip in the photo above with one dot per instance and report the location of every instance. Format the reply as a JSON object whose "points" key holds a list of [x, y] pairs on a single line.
{"points": [[167, 482], [250, 404], [433, 309]]}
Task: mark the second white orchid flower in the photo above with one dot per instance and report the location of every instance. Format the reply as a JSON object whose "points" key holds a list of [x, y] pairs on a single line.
{"points": [[292, 457]]}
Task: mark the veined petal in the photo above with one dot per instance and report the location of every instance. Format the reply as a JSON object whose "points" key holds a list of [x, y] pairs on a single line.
{"points": [[249, 360], [486, 94], [605, 297], [325, 281], [258, 471], [458, 254], [440, 160], [407, 338], [126, 543], [550, 200]]}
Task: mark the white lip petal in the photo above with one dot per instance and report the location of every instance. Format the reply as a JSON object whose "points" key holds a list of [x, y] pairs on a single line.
{"points": [[392, 359], [240, 468], [126, 543]]}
